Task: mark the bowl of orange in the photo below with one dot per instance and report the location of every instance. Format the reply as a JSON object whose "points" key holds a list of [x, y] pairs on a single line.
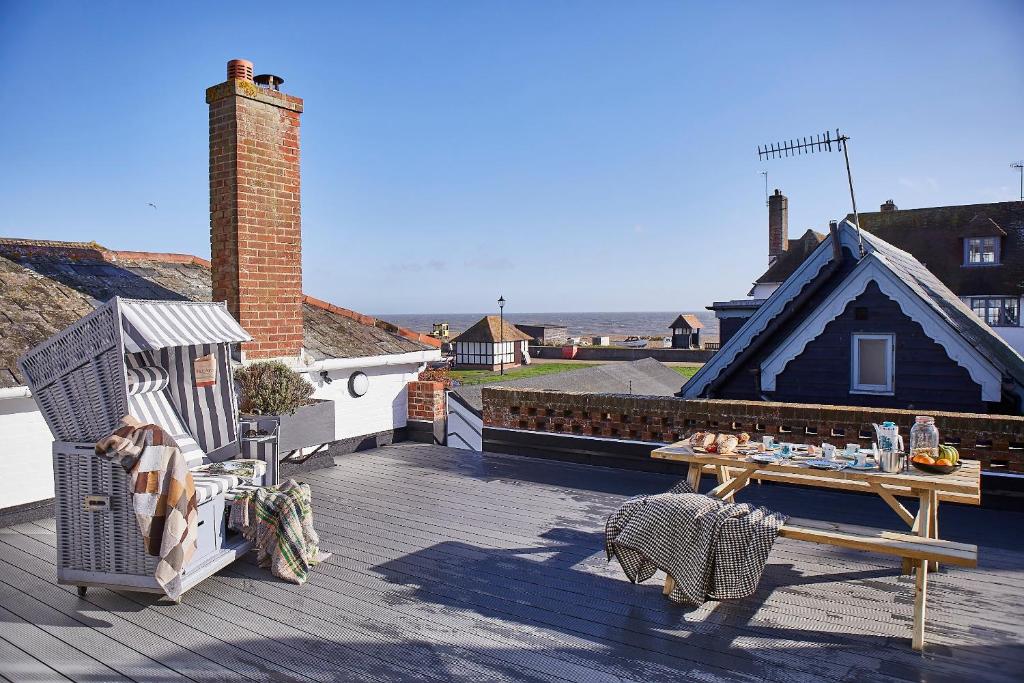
{"points": [[927, 463]]}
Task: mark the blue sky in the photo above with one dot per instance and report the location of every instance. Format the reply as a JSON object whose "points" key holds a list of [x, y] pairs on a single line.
{"points": [[573, 156]]}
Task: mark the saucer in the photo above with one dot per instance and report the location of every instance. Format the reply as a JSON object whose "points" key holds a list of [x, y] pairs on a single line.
{"points": [[821, 464]]}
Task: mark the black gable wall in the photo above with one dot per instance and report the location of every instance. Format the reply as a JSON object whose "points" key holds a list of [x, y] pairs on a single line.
{"points": [[926, 378]]}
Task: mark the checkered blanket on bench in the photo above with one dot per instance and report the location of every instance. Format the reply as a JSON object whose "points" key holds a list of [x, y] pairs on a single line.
{"points": [[712, 549]]}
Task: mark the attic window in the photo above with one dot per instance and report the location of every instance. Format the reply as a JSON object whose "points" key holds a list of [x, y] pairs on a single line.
{"points": [[981, 251], [873, 364]]}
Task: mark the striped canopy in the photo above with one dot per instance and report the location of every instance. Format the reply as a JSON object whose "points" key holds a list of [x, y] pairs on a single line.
{"points": [[152, 325]]}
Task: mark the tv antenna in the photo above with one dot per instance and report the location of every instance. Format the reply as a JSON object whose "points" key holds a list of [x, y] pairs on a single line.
{"points": [[1019, 165], [765, 174], [817, 143]]}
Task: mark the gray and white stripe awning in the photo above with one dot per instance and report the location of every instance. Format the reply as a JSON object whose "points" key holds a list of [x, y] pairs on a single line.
{"points": [[151, 325]]}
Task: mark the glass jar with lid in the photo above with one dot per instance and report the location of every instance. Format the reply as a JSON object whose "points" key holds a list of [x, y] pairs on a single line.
{"points": [[924, 437]]}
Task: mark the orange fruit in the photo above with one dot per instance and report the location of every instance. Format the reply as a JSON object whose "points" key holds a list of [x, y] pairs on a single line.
{"points": [[944, 461]]}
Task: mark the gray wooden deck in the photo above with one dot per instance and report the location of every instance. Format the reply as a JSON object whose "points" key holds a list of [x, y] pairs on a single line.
{"points": [[452, 565]]}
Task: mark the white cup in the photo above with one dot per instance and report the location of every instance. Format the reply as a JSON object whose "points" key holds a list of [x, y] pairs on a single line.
{"points": [[862, 458], [828, 451], [852, 449], [768, 442]]}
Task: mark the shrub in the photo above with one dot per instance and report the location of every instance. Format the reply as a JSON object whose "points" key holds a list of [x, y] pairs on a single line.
{"points": [[272, 388], [436, 375]]}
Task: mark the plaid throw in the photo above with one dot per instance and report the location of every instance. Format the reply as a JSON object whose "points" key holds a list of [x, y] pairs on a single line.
{"points": [[712, 549], [279, 522], [163, 495]]}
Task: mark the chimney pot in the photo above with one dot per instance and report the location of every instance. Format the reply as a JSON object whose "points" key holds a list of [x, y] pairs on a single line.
{"points": [[269, 81], [240, 70], [889, 205]]}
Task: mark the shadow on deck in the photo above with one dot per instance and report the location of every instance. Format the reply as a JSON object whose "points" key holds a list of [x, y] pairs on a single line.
{"points": [[452, 565]]}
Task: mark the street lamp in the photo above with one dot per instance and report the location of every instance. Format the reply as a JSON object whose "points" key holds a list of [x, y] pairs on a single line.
{"points": [[501, 333]]}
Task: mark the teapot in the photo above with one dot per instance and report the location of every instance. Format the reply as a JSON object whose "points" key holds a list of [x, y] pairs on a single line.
{"points": [[889, 438]]}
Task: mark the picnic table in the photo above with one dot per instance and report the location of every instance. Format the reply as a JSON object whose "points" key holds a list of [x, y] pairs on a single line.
{"points": [[921, 549]]}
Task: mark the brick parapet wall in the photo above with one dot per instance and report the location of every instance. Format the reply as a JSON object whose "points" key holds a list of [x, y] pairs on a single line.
{"points": [[996, 440], [426, 401], [255, 223]]}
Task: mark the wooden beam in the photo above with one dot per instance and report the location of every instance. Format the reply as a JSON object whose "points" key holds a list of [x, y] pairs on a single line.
{"points": [[727, 489], [892, 502]]}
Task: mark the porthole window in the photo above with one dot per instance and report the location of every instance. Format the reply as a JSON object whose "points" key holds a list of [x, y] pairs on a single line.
{"points": [[358, 384]]}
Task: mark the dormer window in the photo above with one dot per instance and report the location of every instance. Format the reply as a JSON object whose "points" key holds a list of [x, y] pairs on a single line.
{"points": [[981, 251]]}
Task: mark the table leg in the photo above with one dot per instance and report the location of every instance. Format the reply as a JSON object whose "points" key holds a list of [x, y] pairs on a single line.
{"points": [[933, 526], [693, 476], [924, 528]]}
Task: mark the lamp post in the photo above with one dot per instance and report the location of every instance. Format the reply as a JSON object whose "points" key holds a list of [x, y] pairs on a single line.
{"points": [[501, 333]]}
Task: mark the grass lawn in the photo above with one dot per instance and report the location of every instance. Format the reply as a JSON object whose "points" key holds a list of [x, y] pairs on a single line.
{"points": [[686, 371], [482, 376]]}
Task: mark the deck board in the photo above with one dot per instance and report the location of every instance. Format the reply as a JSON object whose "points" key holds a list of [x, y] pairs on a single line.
{"points": [[454, 565]]}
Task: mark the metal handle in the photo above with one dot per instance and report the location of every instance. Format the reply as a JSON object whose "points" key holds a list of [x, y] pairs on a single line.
{"points": [[96, 503]]}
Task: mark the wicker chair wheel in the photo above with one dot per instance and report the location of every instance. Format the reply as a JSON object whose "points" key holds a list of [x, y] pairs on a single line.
{"points": [[82, 590]]}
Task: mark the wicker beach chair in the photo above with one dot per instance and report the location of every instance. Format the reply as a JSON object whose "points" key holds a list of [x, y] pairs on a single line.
{"points": [[165, 363]]}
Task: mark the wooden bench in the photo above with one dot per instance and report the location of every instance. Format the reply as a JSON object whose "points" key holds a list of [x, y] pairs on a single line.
{"points": [[910, 547]]}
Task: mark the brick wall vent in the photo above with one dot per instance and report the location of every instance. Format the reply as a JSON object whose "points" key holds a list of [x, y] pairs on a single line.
{"points": [[240, 70]]}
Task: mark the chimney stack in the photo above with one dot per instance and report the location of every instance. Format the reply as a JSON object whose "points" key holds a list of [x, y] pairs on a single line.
{"points": [[889, 205], [255, 226], [778, 226]]}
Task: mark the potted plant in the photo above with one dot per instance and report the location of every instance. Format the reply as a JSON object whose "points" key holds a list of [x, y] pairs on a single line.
{"points": [[270, 389]]}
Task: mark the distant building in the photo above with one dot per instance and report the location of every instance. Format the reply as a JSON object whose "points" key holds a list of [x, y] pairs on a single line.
{"points": [[879, 330], [486, 344], [440, 331], [686, 332], [543, 333]]}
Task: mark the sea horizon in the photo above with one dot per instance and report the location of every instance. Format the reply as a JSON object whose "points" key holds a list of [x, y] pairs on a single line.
{"points": [[591, 323]]}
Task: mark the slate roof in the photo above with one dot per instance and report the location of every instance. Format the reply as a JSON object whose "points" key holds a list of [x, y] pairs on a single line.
{"points": [[790, 260], [948, 305], [488, 329], [46, 285], [687, 320], [935, 237], [646, 377]]}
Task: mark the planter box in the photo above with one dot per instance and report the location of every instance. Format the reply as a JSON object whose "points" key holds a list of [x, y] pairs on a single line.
{"points": [[310, 425]]}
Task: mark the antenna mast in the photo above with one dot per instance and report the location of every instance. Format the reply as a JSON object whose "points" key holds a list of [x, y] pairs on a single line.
{"points": [[817, 143], [765, 174], [1019, 165]]}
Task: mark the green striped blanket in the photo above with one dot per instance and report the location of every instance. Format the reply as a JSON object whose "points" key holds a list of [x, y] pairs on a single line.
{"points": [[279, 522]]}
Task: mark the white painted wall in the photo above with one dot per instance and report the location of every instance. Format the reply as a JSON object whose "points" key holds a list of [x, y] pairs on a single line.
{"points": [[763, 290], [1014, 336], [26, 466], [384, 405]]}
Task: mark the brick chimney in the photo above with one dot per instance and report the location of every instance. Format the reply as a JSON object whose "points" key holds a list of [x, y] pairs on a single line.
{"points": [[889, 205], [778, 226], [255, 227]]}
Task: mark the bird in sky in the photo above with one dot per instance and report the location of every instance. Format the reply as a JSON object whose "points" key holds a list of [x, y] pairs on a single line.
{"points": [[151, 204]]}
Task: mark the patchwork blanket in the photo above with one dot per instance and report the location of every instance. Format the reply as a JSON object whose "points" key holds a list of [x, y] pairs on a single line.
{"points": [[279, 522], [163, 495], [713, 549]]}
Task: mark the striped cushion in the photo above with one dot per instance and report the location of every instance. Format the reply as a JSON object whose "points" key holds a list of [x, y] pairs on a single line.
{"points": [[210, 485], [146, 380], [154, 408]]}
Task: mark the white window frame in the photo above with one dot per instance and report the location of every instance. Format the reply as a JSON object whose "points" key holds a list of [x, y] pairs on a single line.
{"points": [[886, 389]]}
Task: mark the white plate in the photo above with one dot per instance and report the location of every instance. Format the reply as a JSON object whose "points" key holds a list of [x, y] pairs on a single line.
{"points": [[820, 464], [865, 468], [765, 458]]}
